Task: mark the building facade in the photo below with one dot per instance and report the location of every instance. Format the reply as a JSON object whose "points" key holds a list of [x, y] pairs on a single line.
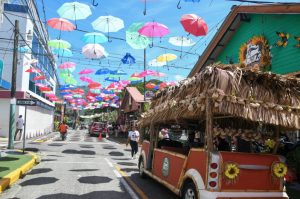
{"points": [[32, 52], [264, 36]]}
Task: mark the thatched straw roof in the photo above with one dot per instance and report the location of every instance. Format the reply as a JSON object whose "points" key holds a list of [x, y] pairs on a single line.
{"points": [[242, 93]]}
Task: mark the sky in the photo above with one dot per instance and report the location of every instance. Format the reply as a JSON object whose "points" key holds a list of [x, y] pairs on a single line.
{"points": [[213, 12]]}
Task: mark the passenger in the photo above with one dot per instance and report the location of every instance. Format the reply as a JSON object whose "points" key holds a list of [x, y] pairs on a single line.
{"points": [[222, 144]]}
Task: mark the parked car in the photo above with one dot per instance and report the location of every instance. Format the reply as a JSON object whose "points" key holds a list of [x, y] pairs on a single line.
{"points": [[96, 128]]}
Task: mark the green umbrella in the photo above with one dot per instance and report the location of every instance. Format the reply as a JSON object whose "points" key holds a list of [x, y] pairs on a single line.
{"points": [[70, 80], [58, 43], [134, 39], [114, 76]]}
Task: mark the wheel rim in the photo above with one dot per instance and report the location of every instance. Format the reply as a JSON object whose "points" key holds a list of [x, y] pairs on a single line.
{"points": [[141, 168], [189, 194]]}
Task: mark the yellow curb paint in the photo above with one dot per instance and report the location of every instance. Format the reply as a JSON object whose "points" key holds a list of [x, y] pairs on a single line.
{"points": [[132, 184], [13, 176]]}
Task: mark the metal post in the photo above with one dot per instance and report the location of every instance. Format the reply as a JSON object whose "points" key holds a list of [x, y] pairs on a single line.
{"points": [[144, 78], [13, 88], [25, 121]]}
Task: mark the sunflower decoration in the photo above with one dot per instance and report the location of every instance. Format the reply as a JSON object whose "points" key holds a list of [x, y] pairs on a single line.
{"points": [[231, 171], [284, 38], [298, 40], [255, 54], [279, 169]]}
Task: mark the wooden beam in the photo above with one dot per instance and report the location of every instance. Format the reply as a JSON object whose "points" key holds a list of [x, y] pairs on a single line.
{"points": [[209, 125]]}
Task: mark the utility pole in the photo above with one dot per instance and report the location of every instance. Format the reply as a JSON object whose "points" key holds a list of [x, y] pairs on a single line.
{"points": [[144, 76], [13, 88]]}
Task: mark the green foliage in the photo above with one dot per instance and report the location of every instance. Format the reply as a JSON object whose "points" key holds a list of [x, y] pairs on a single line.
{"points": [[56, 124]]}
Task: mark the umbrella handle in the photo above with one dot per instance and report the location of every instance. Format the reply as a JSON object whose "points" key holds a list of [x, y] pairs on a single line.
{"points": [[94, 3], [145, 9], [178, 5]]}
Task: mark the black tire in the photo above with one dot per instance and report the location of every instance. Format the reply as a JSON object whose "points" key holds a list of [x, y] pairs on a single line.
{"points": [[141, 168], [189, 191]]}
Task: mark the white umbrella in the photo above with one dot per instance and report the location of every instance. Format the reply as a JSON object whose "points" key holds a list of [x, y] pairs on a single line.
{"points": [[108, 24], [94, 51], [155, 63], [181, 41]]}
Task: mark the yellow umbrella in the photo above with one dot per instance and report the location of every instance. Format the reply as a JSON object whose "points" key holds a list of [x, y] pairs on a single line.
{"points": [[166, 57]]}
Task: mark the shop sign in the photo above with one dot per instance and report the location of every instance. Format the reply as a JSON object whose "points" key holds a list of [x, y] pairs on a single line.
{"points": [[166, 167], [149, 95], [255, 54]]}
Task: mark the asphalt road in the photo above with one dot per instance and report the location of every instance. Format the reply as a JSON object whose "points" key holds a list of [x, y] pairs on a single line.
{"points": [[84, 167]]}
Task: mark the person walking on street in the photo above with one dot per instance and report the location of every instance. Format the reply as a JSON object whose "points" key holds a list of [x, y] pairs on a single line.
{"points": [[20, 124], [63, 128], [133, 139]]}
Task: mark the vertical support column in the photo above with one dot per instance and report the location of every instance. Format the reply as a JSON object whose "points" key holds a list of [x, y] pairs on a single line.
{"points": [[13, 88], [209, 124], [24, 133]]}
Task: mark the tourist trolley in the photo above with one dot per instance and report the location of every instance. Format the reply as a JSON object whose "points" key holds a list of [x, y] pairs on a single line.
{"points": [[217, 121]]}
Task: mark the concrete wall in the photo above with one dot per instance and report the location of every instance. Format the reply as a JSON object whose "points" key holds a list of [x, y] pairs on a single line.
{"points": [[4, 117]]}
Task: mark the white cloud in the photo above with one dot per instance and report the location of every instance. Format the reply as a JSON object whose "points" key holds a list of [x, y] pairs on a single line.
{"points": [[179, 77]]}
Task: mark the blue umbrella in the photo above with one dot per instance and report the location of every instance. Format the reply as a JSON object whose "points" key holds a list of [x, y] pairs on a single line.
{"points": [[128, 59], [103, 71], [94, 38], [179, 7], [99, 98], [108, 92], [63, 52], [156, 87], [68, 86], [110, 79], [65, 93], [23, 49], [118, 72]]}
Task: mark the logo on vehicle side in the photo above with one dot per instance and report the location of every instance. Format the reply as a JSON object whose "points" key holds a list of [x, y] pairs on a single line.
{"points": [[166, 167]]}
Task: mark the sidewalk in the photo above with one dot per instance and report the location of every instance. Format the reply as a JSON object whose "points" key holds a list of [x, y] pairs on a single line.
{"points": [[14, 165]]}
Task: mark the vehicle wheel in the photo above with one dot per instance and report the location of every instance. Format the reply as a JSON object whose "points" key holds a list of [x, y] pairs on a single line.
{"points": [[141, 168], [189, 191]]}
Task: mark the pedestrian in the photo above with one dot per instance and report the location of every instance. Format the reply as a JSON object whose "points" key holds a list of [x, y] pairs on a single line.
{"points": [[133, 139], [19, 125], [63, 129]]}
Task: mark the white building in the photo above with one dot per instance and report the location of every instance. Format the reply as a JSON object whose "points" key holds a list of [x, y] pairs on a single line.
{"points": [[33, 35]]}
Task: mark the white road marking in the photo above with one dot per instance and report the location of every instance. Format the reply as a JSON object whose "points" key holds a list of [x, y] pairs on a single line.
{"points": [[128, 189], [117, 173], [108, 162]]}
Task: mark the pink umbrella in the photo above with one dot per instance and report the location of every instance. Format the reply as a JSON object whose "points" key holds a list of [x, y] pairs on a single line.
{"points": [[42, 77], [61, 24], [136, 75], [40, 85], [124, 82], [158, 74], [86, 79], [86, 71], [154, 29], [67, 65], [194, 25], [148, 73]]}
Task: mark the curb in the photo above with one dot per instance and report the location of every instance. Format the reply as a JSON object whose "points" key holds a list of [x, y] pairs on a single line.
{"points": [[15, 175]]}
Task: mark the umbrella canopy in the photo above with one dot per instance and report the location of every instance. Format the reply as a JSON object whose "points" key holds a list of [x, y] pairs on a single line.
{"points": [[118, 72], [194, 1], [60, 44], [134, 38], [148, 73], [94, 85], [150, 85], [42, 77], [155, 63], [61, 24], [108, 24], [86, 79], [94, 51], [67, 65], [181, 41], [137, 75], [154, 29], [86, 71], [194, 25], [78, 91], [94, 38], [128, 59], [40, 85], [74, 11], [166, 57], [103, 71], [111, 79], [33, 70], [63, 52]]}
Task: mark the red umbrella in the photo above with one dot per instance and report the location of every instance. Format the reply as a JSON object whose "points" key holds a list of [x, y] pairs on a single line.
{"points": [[61, 24], [194, 25], [45, 89], [94, 85], [86, 79], [33, 70], [163, 85], [39, 77], [78, 90], [150, 85]]}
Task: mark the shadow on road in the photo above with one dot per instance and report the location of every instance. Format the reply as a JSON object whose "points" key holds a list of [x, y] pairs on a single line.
{"points": [[86, 146], [81, 152], [55, 144], [38, 171], [127, 163], [48, 160], [95, 194], [116, 153], [130, 170], [94, 180], [82, 170], [56, 156], [39, 181]]}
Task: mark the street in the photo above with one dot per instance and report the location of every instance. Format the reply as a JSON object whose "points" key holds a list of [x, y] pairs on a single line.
{"points": [[84, 167]]}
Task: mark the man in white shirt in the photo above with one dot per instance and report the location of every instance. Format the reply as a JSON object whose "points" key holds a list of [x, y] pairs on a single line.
{"points": [[20, 124], [133, 139]]}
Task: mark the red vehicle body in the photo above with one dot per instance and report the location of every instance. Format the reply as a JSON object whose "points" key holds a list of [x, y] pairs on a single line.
{"points": [[98, 128]]}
